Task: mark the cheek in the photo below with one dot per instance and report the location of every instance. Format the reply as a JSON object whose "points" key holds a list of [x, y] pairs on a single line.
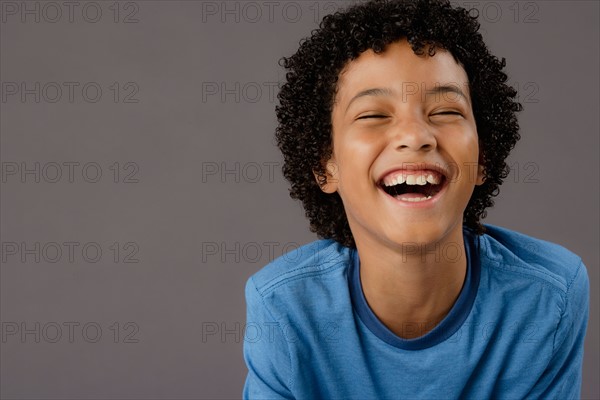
{"points": [[356, 152], [470, 149], [464, 144], [354, 160]]}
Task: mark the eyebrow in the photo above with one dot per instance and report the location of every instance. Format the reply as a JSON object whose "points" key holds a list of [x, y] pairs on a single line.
{"points": [[447, 89], [371, 92], [386, 92]]}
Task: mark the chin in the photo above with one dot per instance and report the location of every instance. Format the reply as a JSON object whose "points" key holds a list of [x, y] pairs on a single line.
{"points": [[417, 234]]}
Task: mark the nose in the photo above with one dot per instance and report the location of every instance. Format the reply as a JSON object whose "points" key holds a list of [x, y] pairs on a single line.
{"points": [[412, 135]]}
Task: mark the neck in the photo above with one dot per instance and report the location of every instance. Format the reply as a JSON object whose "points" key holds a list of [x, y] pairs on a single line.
{"points": [[412, 288]]}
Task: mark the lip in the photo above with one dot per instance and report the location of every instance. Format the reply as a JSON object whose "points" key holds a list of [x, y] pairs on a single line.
{"points": [[416, 166]]}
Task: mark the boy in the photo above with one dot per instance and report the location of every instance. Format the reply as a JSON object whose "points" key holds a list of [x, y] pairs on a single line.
{"points": [[395, 123]]}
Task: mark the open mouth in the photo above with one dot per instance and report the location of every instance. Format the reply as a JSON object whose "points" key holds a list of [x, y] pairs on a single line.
{"points": [[414, 187]]}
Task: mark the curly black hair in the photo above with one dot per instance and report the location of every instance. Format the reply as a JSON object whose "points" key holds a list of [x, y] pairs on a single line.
{"points": [[306, 98]]}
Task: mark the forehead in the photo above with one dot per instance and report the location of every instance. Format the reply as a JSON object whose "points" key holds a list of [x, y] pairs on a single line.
{"points": [[399, 68]]}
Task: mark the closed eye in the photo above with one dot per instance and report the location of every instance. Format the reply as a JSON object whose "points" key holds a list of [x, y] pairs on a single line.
{"points": [[448, 113], [371, 116]]}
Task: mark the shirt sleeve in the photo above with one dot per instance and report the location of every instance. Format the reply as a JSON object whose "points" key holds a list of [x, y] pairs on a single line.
{"points": [[266, 351], [562, 377]]}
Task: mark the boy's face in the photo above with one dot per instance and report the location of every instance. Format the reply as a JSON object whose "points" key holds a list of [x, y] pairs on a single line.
{"points": [[391, 126]]}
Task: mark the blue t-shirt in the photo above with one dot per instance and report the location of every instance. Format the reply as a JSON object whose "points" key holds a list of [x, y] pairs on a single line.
{"points": [[516, 330]]}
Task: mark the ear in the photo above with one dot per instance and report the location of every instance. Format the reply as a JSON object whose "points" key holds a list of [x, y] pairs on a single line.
{"points": [[480, 170], [329, 182]]}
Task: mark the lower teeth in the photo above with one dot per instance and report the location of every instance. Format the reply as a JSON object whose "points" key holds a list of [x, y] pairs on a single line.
{"points": [[415, 199]]}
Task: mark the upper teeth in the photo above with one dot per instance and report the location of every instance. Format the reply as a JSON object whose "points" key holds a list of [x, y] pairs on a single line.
{"points": [[421, 179]]}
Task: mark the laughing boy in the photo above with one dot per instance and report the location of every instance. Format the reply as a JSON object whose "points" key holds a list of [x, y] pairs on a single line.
{"points": [[395, 122]]}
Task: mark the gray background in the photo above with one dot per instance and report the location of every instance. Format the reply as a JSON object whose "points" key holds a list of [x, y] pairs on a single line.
{"points": [[210, 206]]}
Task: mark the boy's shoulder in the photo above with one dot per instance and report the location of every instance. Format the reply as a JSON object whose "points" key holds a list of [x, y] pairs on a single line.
{"points": [[312, 267], [519, 253], [310, 261]]}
